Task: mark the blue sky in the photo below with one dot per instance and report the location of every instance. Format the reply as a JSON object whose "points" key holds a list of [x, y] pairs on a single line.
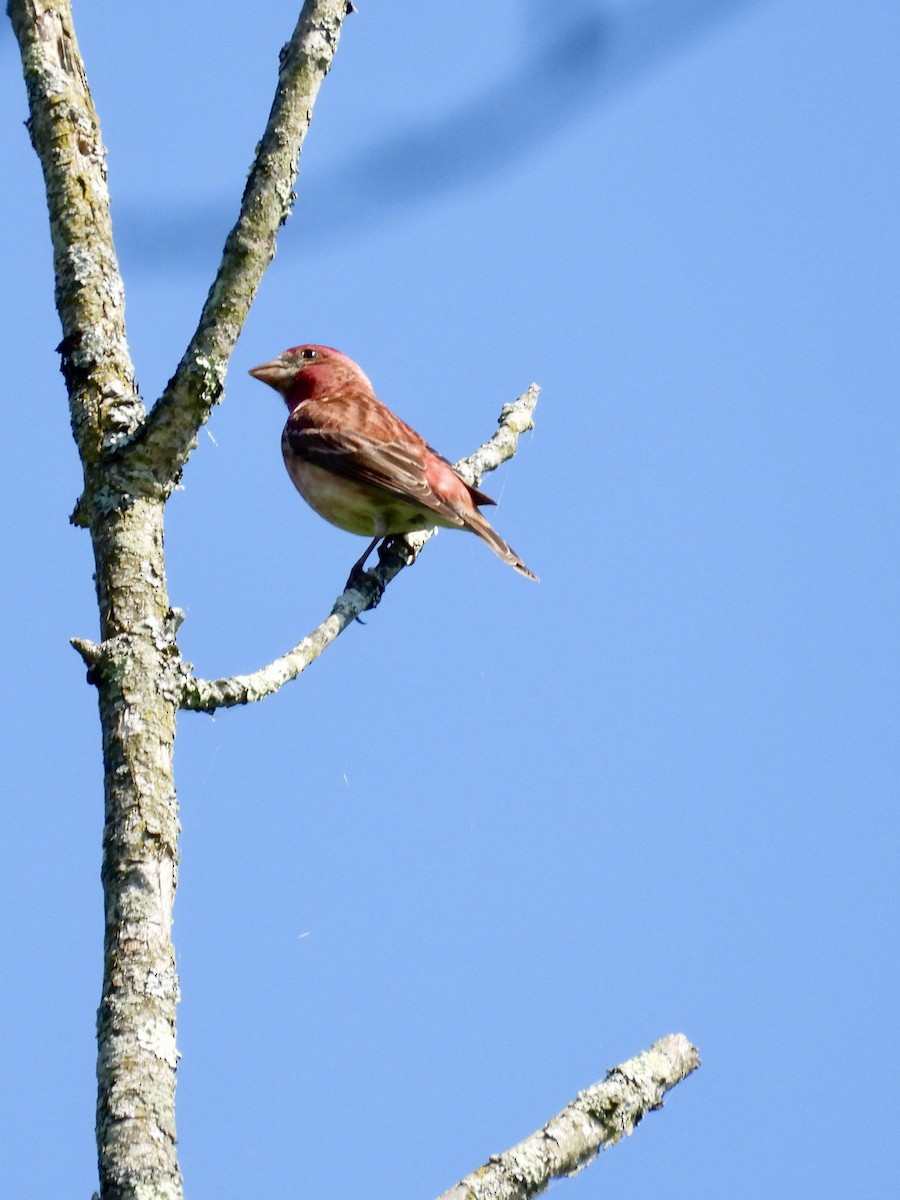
{"points": [[504, 835]]}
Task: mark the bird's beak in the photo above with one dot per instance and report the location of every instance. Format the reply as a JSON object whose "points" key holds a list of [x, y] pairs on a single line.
{"points": [[273, 373]]}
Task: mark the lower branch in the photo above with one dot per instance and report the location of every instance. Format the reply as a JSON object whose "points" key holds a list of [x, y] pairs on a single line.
{"points": [[206, 695], [596, 1118]]}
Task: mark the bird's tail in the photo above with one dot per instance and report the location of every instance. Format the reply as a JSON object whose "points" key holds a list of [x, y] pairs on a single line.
{"points": [[476, 522]]}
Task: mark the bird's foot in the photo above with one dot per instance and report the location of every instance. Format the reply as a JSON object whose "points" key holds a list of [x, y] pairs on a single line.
{"points": [[359, 576], [394, 550]]}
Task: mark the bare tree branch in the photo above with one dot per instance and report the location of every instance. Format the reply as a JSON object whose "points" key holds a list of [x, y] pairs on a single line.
{"points": [[90, 298], [204, 695], [170, 431], [597, 1118]]}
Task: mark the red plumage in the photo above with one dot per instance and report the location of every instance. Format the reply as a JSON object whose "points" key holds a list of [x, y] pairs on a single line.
{"points": [[358, 465]]}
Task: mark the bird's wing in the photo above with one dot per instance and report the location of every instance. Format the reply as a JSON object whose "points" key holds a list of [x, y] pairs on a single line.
{"points": [[404, 465], [386, 465]]}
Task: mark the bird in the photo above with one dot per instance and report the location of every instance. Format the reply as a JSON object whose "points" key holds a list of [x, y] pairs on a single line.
{"points": [[359, 466]]}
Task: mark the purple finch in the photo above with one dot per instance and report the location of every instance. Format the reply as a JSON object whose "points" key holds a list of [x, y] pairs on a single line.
{"points": [[359, 466]]}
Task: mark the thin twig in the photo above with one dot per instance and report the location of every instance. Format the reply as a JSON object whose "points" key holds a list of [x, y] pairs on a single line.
{"points": [[205, 695]]}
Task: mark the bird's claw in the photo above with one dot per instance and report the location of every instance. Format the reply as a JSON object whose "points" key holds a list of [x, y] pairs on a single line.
{"points": [[360, 577], [396, 549]]}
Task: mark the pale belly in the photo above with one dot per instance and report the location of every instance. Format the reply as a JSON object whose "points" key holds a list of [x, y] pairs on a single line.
{"points": [[357, 507]]}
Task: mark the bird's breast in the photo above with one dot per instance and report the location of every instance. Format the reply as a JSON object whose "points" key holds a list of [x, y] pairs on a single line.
{"points": [[356, 507]]}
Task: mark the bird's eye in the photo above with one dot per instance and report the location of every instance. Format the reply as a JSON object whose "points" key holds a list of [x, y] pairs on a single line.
{"points": [[309, 353]]}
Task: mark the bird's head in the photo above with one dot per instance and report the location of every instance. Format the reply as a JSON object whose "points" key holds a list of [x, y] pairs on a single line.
{"points": [[309, 372]]}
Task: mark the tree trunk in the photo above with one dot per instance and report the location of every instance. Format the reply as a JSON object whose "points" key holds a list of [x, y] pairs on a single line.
{"points": [[137, 681]]}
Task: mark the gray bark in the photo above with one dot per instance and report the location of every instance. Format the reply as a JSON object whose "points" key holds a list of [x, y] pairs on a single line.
{"points": [[597, 1118]]}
